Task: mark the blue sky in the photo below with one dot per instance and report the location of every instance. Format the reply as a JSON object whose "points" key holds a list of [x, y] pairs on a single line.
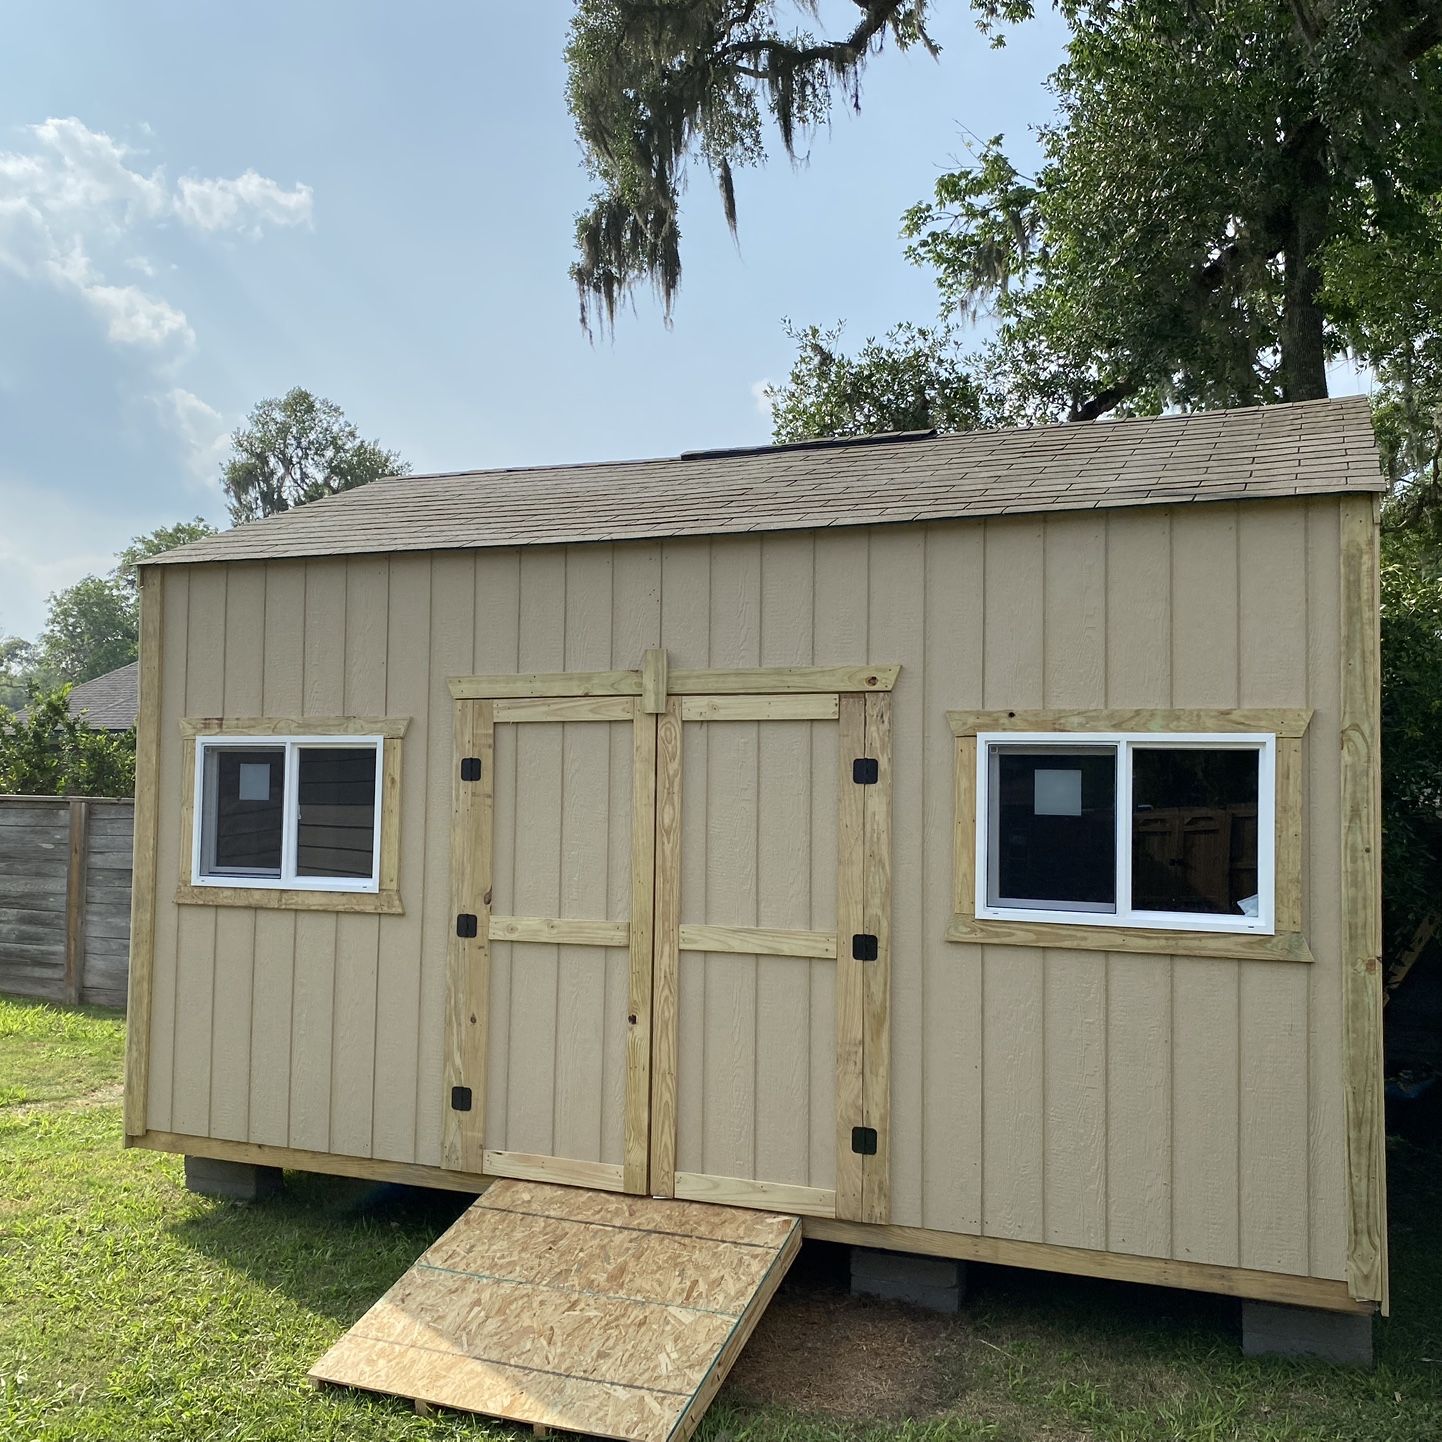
{"points": [[201, 205]]}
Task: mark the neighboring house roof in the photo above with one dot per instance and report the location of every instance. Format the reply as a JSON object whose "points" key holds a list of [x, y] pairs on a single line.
{"points": [[1315, 447], [109, 702]]}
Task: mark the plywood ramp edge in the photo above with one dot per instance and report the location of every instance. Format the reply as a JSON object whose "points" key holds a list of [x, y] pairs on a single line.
{"points": [[574, 1311]]}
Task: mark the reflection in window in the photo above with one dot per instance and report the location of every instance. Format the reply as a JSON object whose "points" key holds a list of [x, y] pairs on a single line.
{"points": [[243, 811], [1053, 827], [1194, 830], [335, 834]]}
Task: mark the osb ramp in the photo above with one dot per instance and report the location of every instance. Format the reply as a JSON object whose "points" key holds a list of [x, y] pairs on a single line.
{"points": [[584, 1311]]}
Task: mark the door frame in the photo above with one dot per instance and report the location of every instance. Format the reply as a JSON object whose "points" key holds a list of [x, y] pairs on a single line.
{"points": [[658, 700]]}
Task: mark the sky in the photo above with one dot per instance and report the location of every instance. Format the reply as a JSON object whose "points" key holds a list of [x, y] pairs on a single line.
{"points": [[203, 205]]}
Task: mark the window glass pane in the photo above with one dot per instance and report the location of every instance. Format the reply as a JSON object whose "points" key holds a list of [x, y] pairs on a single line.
{"points": [[241, 829], [336, 831], [1194, 829], [1053, 827]]}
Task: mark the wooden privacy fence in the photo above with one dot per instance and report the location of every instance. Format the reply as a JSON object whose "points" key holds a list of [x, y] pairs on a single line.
{"points": [[65, 866]]}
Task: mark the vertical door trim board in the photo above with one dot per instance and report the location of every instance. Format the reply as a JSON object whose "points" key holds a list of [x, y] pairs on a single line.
{"points": [[468, 957], [637, 1146], [876, 974], [143, 881], [1366, 1162], [850, 983], [666, 977]]}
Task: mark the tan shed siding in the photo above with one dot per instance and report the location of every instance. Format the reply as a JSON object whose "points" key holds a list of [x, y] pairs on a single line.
{"points": [[1158, 1106]]}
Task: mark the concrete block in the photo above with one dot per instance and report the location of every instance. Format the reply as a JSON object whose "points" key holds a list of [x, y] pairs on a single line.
{"points": [[935, 1283], [1269, 1330], [231, 1181]]}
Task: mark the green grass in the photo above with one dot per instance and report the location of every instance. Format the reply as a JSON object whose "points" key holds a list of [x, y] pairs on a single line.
{"points": [[130, 1309]]}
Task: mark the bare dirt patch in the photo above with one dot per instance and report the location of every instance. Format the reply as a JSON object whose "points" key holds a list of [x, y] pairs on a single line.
{"points": [[819, 1350]]}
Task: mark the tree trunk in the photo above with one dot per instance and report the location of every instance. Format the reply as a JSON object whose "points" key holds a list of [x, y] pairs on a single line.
{"points": [[1304, 357]]}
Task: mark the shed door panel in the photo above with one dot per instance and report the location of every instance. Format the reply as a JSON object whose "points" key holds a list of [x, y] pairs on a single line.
{"points": [[556, 1034], [756, 1056], [549, 994]]}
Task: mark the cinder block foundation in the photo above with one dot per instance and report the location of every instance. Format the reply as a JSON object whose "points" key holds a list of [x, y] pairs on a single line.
{"points": [[1272, 1331], [934, 1283], [231, 1181]]}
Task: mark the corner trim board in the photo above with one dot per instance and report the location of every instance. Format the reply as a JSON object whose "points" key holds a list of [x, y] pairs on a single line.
{"points": [[144, 881]]}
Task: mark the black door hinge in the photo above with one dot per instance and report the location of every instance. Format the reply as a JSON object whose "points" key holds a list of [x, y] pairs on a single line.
{"points": [[460, 1099], [465, 924], [865, 771], [863, 1141], [863, 946], [470, 768]]}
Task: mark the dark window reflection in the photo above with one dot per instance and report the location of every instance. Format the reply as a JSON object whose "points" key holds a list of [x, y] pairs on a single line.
{"points": [[1194, 830], [336, 834], [245, 790], [1054, 827]]}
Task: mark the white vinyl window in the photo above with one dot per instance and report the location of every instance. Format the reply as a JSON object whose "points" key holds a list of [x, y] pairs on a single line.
{"points": [[1174, 832], [292, 812]]}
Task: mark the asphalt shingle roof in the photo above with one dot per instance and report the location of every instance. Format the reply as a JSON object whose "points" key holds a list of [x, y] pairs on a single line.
{"points": [[1315, 447], [109, 702]]}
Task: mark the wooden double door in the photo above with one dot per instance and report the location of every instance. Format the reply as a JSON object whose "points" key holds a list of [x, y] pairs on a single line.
{"points": [[670, 972]]}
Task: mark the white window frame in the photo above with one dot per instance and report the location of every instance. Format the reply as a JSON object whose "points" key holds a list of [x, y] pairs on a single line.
{"points": [[1125, 742], [288, 880]]}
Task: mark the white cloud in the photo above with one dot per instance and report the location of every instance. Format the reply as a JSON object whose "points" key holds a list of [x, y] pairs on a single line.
{"points": [[201, 430], [244, 203], [78, 192], [762, 400]]}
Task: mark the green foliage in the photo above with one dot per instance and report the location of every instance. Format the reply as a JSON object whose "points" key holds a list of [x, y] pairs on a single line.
{"points": [[52, 753], [1411, 729], [1229, 196], [92, 628], [17, 665], [153, 543], [915, 380], [653, 86], [295, 449]]}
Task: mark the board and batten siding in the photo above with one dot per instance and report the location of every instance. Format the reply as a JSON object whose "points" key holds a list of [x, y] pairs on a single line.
{"points": [[1166, 1107]]}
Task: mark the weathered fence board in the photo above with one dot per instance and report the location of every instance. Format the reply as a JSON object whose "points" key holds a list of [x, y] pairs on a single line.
{"points": [[65, 867]]}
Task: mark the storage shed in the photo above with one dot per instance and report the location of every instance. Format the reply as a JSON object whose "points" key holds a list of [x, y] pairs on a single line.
{"points": [[968, 844]]}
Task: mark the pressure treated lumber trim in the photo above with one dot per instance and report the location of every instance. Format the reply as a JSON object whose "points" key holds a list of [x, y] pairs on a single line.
{"points": [[964, 842], [566, 708], [79, 818], [560, 930], [1225, 945], [666, 970], [143, 878], [653, 682], [389, 727], [850, 1004], [1280, 722], [468, 958], [546, 683], [636, 1141], [270, 898], [766, 680], [803, 706], [1320, 1292], [1287, 847], [759, 1196], [600, 1176], [876, 975], [1361, 904], [690, 1419], [759, 941], [326, 1163]]}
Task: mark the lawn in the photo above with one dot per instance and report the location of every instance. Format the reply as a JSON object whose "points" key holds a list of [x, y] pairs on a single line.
{"points": [[130, 1309]]}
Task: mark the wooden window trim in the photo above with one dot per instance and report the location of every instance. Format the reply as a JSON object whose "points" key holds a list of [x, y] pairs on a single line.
{"points": [[1287, 943], [384, 901]]}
